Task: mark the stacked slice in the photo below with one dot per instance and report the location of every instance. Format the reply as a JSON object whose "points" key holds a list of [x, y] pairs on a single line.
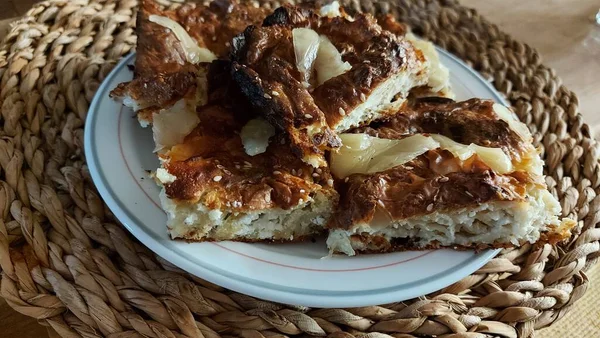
{"points": [[442, 173], [285, 125]]}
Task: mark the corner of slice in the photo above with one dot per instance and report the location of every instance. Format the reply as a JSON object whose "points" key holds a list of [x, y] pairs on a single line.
{"points": [[172, 44], [442, 174]]}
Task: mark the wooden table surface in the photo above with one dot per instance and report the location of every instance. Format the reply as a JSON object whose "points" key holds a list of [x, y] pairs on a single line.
{"points": [[559, 30]]}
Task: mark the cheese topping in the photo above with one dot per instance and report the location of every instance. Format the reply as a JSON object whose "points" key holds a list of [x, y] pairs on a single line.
{"points": [[171, 125], [194, 53], [361, 153], [513, 123], [306, 45], [439, 75], [255, 136], [316, 52]]}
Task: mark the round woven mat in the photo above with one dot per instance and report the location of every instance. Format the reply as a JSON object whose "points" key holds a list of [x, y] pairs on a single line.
{"points": [[67, 262]]}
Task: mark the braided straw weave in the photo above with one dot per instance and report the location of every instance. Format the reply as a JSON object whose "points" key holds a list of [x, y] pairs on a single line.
{"points": [[67, 262]]}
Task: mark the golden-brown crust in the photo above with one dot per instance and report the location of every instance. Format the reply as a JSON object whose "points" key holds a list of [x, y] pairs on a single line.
{"points": [[466, 122], [435, 181], [162, 74], [265, 68], [213, 169]]}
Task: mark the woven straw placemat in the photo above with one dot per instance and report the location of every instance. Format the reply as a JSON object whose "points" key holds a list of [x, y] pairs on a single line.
{"points": [[67, 262]]}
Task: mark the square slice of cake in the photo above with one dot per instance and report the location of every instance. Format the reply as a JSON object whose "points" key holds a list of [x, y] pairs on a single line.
{"points": [[442, 174]]}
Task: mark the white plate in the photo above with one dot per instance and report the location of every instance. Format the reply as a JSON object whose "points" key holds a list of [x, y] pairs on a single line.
{"points": [[119, 153]]}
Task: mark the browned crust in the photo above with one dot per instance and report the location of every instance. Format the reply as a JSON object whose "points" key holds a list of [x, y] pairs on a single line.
{"points": [[266, 72], [296, 239], [213, 168], [552, 237], [435, 181], [466, 122], [162, 74]]}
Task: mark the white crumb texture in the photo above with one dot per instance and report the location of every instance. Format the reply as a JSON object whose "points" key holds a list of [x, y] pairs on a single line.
{"points": [[197, 222], [488, 223]]}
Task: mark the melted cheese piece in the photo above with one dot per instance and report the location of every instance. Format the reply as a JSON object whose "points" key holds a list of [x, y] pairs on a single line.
{"points": [[314, 51], [171, 125], [364, 154], [328, 63], [513, 123], [439, 75], [306, 46], [255, 136], [194, 53]]}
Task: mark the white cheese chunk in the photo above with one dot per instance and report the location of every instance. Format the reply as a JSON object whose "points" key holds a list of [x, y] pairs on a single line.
{"points": [[329, 63], [306, 45], [164, 176], [171, 125], [255, 136], [194, 53]]}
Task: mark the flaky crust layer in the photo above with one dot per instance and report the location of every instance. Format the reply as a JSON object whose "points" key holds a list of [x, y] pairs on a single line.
{"points": [[265, 68]]}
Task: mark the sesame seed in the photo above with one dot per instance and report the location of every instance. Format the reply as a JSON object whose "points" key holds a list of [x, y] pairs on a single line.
{"points": [[267, 198], [469, 194], [363, 97], [237, 166], [294, 172], [346, 179], [408, 167], [315, 175], [319, 170], [302, 191], [445, 179], [342, 111], [217, 178], [267, 96], [227, 44], [214, 38], [274, 93], [220, 166], [366, 61], [383, 55], [282, 141], [430, 207], [276, 172], [330, 182], [248, 164], [300, 172], [308, 116]]}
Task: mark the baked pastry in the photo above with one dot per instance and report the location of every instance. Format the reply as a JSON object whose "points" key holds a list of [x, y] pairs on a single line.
{"points": [[172, 44], [315, 73], [442, 174], [233, 178]]}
